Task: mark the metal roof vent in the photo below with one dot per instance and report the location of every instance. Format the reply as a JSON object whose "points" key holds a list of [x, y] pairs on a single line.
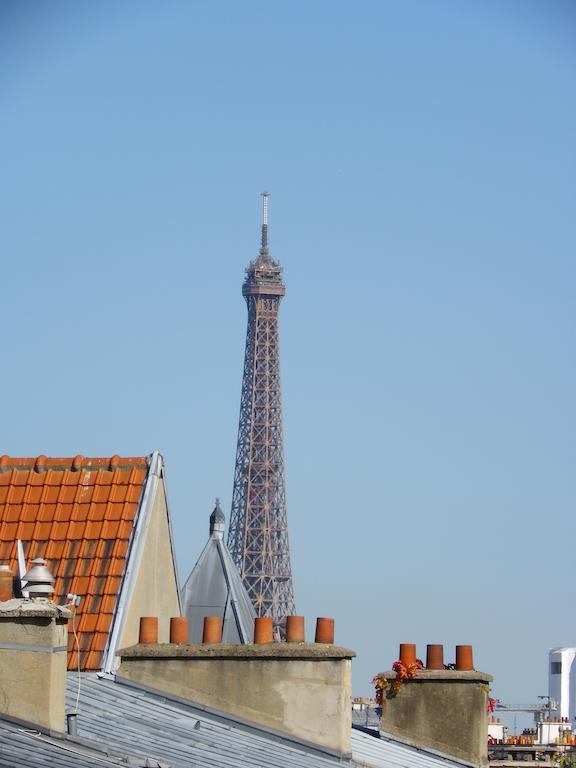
{"points": [[39, 580]]}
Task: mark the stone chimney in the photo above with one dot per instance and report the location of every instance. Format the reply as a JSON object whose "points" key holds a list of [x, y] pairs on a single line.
{"points": [[303, 690], [440, 708], [33, 660]]}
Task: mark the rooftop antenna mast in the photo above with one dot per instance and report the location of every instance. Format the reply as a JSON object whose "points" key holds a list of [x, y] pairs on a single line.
{"points": [[264, 246]]}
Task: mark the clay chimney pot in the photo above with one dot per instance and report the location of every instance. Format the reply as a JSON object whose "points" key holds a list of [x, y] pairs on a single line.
{"points": [[408, 653], [212, 630], [295, 629], [464, 657], [263, 630], [6, 583], [324, 630], [148, 630], [179, 630], [434, 657]]}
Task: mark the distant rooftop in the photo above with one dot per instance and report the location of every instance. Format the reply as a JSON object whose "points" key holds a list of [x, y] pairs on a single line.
{"points": [[214, 588]]}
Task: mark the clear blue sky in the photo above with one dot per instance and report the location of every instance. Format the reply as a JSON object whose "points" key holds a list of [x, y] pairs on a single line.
{"points": [[421, 163]]}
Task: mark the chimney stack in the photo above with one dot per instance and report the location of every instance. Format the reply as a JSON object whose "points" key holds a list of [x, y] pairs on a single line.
{"points": [[295, 688], [440, 708], [33, 661]]}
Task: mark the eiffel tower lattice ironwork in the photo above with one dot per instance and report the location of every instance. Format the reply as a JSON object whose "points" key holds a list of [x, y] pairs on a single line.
{"points": [[258, 533]]}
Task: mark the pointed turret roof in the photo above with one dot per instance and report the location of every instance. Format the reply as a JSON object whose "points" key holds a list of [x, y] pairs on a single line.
{"points": [[217, 520], [214, 588]]}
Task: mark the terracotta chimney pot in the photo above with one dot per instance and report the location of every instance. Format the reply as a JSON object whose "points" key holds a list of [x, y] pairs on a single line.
{"points": [[6, 583], [295, 629], [464, 657], [324, 631], [179, 630], [212, 630], [434, 657], [148, 630], [263, 630], [408, 653]]}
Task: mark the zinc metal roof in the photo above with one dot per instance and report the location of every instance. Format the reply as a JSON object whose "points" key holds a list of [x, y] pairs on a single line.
{"points": [[379, 750], [123, 725], [214, 588], [178, 734]]}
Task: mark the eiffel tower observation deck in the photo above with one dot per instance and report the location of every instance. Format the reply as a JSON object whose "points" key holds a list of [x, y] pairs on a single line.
{"points": [[258, 532]]}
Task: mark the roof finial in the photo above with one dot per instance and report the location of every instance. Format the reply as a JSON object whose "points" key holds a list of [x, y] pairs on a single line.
{"points": [[264, 247], [217, 521]]}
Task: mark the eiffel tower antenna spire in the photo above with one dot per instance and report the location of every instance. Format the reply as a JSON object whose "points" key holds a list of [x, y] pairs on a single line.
{"points": [[264, 243]]}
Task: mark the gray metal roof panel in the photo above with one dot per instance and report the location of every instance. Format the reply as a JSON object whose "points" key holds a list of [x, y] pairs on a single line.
{"points": [[379, 750], [181, 734], [215, 588], [121, 725]]}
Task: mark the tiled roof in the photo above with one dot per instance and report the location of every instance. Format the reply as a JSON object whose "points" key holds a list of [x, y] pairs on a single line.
{"points": [[78, 514]]}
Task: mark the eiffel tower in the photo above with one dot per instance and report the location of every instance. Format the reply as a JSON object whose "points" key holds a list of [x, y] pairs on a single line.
{"points": [[258, 533]]}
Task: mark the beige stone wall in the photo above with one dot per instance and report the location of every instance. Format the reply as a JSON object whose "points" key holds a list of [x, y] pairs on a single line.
{"points": [[156, 589], [310, 699], [442, 710], [32, 683]]}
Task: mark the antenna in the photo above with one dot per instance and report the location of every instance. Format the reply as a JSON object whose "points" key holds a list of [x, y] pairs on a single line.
{"points": [[265, 196]]}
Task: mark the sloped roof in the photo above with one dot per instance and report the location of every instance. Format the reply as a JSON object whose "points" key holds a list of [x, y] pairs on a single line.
{"points": [[214, 588], [380, 750], [122, 724], [77, 513]]}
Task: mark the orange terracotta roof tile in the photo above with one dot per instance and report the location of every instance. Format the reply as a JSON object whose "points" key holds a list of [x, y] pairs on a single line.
{"points": [[79, 514], [20, 479], [54, 550], [134, 493], [29, 512], [49, 511], [102, 622], [42, 531], [76, 529], [17, 494], [67, 495], [13, 513], [90, 622], [51, 494], [91, 660], [117, 493], [59, 531], [110, 529], [113, 511], [116, 567], [89, 549], [34, 495], [8, 531]]}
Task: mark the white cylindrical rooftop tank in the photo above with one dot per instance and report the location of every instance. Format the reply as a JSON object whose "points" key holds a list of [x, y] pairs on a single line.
{"points": [[562, 680]]}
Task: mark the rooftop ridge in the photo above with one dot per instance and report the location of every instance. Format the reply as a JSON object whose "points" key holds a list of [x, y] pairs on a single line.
{"points": [[42, 463]]}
